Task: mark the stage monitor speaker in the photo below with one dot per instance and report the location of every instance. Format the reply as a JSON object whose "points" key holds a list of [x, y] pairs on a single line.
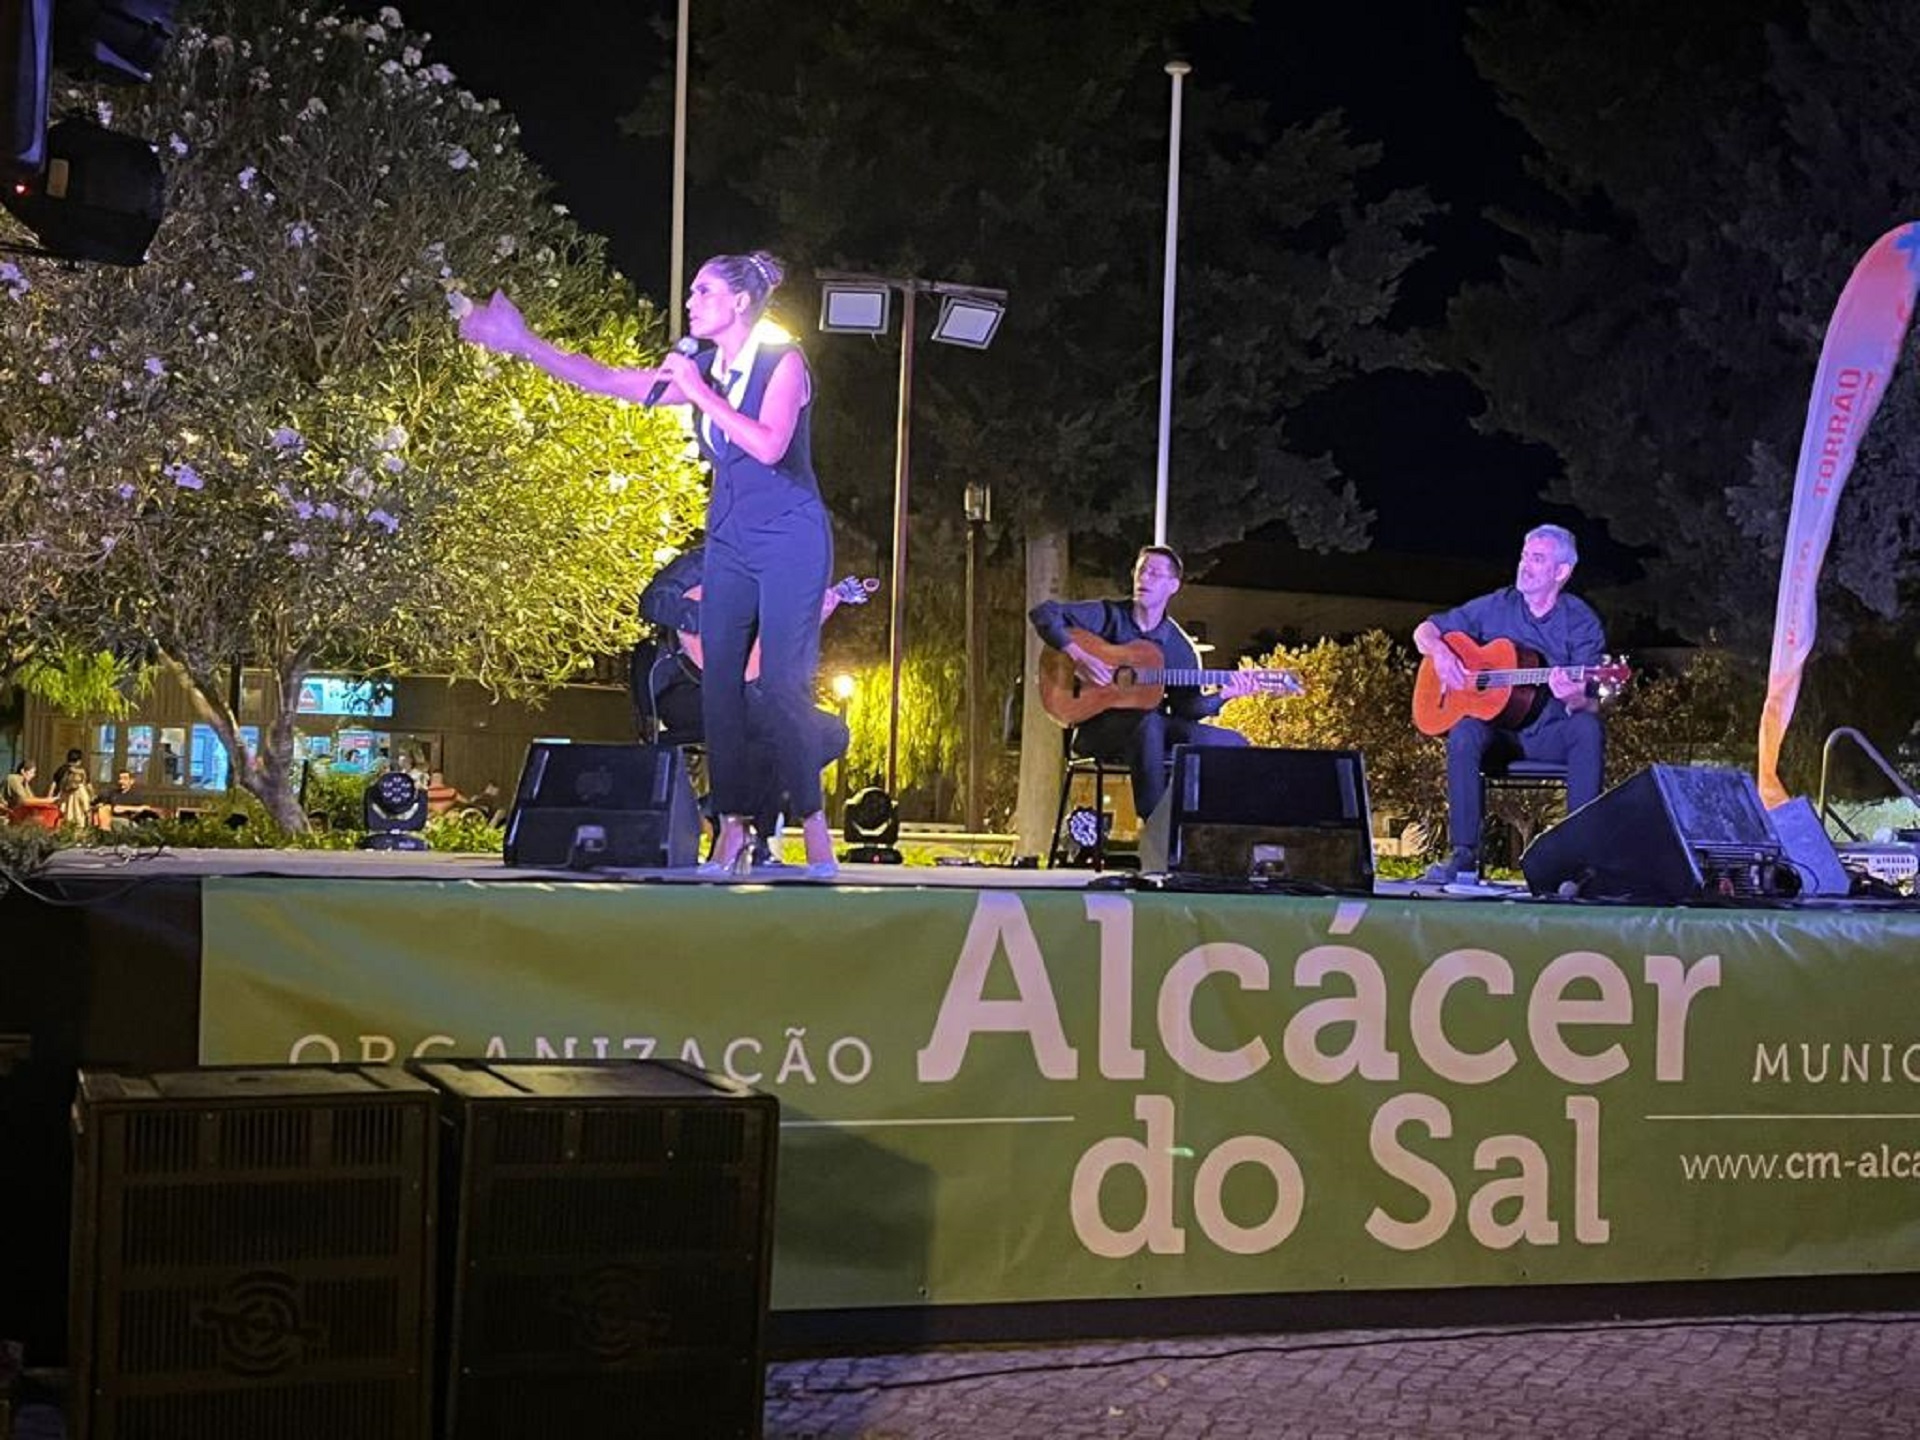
{"points": [[609, 1234], [1264, 817], [584, 807], [252, 1254], [1671, 833]]}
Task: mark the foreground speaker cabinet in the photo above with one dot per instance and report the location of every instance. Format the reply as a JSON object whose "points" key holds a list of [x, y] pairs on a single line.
{"points": [[1263, 815], [1671, 833], [610, 1229], [251, 1254], [589, 806]]}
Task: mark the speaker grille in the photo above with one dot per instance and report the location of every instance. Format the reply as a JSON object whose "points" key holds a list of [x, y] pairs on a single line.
{"points": [[250, 1254], [611, 1225]]}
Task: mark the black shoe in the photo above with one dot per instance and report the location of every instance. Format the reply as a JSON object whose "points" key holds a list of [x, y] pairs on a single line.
{"points": [[1461, 865]]}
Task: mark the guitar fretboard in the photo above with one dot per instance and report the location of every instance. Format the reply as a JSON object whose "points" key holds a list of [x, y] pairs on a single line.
{"points": [[1203, 677], [1490, 679]]}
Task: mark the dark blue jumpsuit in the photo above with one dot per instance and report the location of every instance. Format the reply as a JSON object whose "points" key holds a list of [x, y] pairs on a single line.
{"points": [[769, 552]]}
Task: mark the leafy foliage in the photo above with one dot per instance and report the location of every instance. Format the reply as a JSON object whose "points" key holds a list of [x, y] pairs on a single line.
{"points": [[1661, 324], [267, 444]]}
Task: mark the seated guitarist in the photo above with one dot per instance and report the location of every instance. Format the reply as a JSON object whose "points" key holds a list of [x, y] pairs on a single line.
{"points": [[1141, 739], [666, 692], [1532, 612]]}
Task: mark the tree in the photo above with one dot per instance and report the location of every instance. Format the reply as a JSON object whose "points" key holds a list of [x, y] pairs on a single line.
{"points": [[1660, 327], [268, 447]]}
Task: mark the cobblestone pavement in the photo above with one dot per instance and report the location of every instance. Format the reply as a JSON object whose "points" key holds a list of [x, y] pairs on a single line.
{"points": [[1755, 1377]]}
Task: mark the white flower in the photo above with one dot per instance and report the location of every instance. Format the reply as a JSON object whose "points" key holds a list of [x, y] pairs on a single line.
{"points": [[13, 280], [176, 144], [384, 520], [458, 305], [438, 74], [390, 17], [392, 438], [299, 234], [561, 210], [285, 437], [393, 464], [185, 476], [327, 510], [247, 177], [313, 109], [390, 67], [297, 548], [410, 55], [104, 109], [154, 365], [459, 159], [372, 34], [245, 277], [125, 492]]}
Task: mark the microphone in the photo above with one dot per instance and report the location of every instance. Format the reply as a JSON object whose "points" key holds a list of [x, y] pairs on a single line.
{"points": [[685, 345]]}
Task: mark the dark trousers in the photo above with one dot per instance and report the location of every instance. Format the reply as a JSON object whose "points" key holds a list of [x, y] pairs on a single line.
{"points": [[766, 580], [1575, 739], [1142, 740]]}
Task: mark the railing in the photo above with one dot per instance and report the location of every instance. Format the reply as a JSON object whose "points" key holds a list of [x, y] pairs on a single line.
{"points": [[1866, 748]]}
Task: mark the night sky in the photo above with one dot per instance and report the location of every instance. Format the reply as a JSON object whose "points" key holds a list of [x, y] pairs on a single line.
{"points": [[569, 69]]}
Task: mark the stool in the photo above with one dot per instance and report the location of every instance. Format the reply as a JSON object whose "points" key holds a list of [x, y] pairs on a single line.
{"points": [[1521, 775], [1072, 765]]}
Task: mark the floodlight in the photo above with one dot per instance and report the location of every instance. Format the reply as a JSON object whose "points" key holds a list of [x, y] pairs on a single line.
{"points": [[968, 320], [871, 826], [857, 309]]}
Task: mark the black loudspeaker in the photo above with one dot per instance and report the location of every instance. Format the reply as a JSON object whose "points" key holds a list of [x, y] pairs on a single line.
{"points": [[581, 807], [1671, 833], [252, 1254], [609, 1230], [1264, 816]]}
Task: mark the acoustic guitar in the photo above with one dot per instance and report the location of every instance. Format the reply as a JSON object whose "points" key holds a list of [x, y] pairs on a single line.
{"points": [[850, 591], [1506, 684], [1139, 681]]}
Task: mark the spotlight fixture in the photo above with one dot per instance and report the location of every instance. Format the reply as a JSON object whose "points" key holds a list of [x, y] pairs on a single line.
{"points": [[968, 320], [854, 308], [395, 810], [872, 825]]}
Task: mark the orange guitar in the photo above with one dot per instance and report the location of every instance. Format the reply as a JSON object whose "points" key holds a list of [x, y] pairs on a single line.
{"points": [[850, 591], [1139, 682], [1506, 684]]}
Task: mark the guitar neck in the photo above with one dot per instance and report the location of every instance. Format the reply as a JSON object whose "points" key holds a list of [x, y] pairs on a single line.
{"points": [[1536, 676], [1199, 677]]}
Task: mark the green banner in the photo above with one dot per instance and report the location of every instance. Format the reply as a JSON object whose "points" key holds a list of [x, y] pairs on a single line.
{"points": [[994, 1096]]}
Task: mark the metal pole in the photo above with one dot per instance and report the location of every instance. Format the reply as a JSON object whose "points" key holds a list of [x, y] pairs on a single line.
{"points": [[902, 466], [1179, 70], [676, 274], [975, 635]]}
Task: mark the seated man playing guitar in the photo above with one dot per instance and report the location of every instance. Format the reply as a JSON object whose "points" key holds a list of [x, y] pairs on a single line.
{"points": [[1562, 724], [1141, 739]]}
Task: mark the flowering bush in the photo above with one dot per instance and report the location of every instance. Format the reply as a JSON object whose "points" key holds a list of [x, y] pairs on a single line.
{"points": [[268, 445]]}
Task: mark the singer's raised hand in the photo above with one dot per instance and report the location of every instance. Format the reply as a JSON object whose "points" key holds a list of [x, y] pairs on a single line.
{"points": [[497, 325], [682, 371]]}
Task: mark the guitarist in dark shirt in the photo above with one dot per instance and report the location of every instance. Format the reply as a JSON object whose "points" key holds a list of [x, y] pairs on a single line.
{"points": [[1566, 633], [1141, 739]]}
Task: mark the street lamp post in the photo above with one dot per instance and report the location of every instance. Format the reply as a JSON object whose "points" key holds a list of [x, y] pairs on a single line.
{"points": [[676, 273], [979, 508], [1178, 70], [969, 316]]}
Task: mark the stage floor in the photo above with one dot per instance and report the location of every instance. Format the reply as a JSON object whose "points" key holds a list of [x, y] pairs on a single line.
{"points": [[95, 863]]}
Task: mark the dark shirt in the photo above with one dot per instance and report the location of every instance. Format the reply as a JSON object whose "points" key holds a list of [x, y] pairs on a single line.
{"points": [[1568, 634], [1112, 621], [664, 602]]}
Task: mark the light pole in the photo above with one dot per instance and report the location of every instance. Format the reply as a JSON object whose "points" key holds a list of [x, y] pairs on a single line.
{"points": [[677, 266], [1178, 70], [843, 687], [979, 508], [969, 315]]}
